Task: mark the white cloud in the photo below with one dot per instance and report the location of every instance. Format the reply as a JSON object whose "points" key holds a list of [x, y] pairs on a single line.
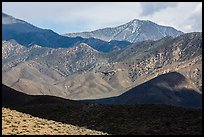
{"points": [[149, 8], [87, 16], [184, 17], [195, 19]]}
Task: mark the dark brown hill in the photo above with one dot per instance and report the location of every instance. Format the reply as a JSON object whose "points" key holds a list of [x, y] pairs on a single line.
{"points": [[112, 119]]}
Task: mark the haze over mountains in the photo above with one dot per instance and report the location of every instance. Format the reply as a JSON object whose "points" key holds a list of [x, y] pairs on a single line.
{"points": [[41, 62]]}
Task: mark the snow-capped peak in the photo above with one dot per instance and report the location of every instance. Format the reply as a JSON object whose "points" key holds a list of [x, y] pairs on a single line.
{"points": [[36, 46]]}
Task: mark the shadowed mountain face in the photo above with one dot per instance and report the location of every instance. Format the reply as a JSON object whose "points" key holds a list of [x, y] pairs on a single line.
{"points": [[171, 88], [12, 98], [112, 119], [28, 35], [133, 31]]}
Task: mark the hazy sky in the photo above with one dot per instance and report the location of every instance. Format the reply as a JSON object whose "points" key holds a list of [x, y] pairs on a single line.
{"points": [[64, 17]]}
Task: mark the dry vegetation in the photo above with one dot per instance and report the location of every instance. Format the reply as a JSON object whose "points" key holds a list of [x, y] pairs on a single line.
{"points": [[17, 123]]}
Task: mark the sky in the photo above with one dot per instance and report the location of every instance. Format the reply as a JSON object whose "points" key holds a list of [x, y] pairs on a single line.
{"points": [[67, 17]]}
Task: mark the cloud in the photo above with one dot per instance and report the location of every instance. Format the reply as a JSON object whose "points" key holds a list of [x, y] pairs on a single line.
{"points": [[195, 19], [65, 17], [74, 16], [186, 17], [149, 8]]}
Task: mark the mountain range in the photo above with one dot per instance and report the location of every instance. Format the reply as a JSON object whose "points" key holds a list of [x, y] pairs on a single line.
{"points": [[27, 35], [104, 64], [133, 31], [82, 72]]}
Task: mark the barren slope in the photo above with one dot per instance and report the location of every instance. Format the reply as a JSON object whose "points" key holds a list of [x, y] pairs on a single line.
{"points": [[18, 123]]}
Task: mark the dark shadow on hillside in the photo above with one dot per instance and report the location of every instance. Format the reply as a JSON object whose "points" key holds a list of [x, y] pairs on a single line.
{"points": [[169, 88], [149, 94], [113, 119]]}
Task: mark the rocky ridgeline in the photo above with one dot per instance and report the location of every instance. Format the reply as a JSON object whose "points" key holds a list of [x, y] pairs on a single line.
{"points": [[132, 66]]}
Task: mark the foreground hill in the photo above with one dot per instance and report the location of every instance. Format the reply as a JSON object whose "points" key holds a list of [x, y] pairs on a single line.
{"points": [[171, 88], [18, 123], [111, 119]]}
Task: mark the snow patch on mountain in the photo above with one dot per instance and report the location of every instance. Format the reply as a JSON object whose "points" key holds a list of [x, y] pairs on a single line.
{"points": [[133, 31]]}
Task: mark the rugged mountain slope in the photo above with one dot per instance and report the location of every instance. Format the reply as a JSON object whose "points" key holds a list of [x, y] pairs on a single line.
{"points": [[36, 70], [92, 85], [63, 60], [171, 88], [28, 35], [81, 72], [111, 119], [60, 72], [152, 58], [133, 31]]}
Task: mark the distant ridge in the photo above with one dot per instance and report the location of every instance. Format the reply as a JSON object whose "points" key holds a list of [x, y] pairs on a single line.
{"points": [[133, 31], [27, 35]]}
